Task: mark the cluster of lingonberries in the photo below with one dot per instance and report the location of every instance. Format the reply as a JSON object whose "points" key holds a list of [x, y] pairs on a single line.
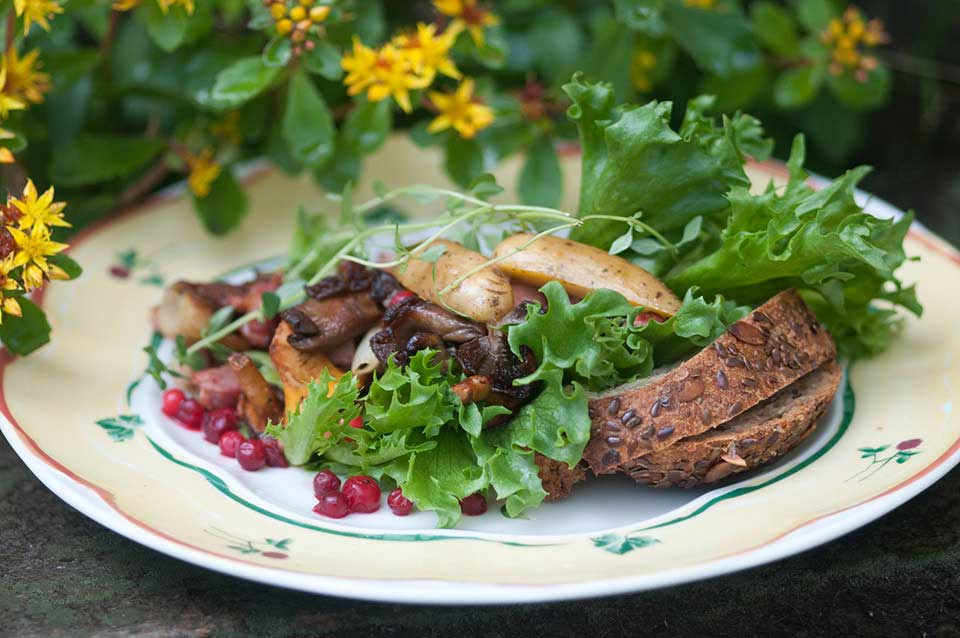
{"points": [[297, 20]]}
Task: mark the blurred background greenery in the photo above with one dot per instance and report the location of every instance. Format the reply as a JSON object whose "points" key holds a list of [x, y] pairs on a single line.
{"points": [[142, 93]]}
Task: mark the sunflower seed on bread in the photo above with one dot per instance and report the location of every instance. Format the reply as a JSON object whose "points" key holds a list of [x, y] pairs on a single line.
{"points": [[771, 348]]}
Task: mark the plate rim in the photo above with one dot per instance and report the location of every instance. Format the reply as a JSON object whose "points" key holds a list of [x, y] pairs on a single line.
{"points": [[88, 500]]}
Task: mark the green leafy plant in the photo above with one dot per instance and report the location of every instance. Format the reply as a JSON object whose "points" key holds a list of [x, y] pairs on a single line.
{"points": [[112, 101]]}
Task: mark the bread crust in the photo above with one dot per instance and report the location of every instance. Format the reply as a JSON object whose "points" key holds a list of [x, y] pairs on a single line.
{"points": [[754, 438], [557, 477], [771, 348]]}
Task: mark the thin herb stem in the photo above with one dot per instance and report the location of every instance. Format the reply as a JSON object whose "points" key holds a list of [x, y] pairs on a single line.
{"points": [[630, 221], [496, 260], [355, 238]]}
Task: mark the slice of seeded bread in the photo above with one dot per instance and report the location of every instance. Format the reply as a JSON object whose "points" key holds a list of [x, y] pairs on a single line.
{"points": [[778, 343], [558, 477], [754, 438]]}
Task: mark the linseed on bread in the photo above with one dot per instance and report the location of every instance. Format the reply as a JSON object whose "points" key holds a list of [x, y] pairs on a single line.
{"points": [[771, 348], [754, 438]]}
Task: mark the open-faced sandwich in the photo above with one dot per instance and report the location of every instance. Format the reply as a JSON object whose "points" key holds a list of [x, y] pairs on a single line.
{"points": [[679, 329]]}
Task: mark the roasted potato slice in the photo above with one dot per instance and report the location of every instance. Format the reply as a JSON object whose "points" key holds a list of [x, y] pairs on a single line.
{"points": [[485, 296], [580, 268], [297, 368], [185, 311]]}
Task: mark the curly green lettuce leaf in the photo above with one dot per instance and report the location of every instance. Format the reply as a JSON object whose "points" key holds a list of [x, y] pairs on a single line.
{"points": [[578, 337], [436, 479], [321, 420], [596, 343], [822, 243], [555, 423], [369, 450], [696, 325], [634, 161], [416, 395]]}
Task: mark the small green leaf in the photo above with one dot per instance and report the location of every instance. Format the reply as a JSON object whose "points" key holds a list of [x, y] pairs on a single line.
{"points": [[485, 186], [266, 366], [541, 181], [269, 305], [775, 27], [814, 15], [22, 335], [622, 242], [278, 52], [167, 29], [67, 264], [307, 123], [869, 94], [244, 79], [718, 41], [92, 159], [367, 126], [324, 60], [219, 319], [797, 87], [224, 206], [463, 160], [194, 360], [432, 253]]}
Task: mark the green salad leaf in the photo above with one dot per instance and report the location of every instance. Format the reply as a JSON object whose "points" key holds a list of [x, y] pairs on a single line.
{"points": [[321, 420], [821, 242], [634, 161], [689, 185], [415, 395], [597, 343]]}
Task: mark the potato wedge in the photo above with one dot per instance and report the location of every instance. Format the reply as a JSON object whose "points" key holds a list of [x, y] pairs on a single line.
{"points": [[485, 296], [296, 368], [580, 268]]}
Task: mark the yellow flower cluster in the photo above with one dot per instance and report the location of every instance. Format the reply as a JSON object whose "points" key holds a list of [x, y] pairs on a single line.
{"points": [[39, 11], [412, 61], [29, 220], [21, 82], [128, 5], [468, 15], [848, 37], [642, 64], [204, 170], [408, 62], [297, 20]]}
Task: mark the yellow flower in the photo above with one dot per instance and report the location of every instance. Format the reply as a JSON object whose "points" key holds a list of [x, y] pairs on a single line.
{"points": [[128, 5], [24, 78], [34, 248], [642, 63], [469, 15], [428, 52], [39, 11], [6, 155], [187, 5], [38, 211], [204, 170], [848, 37], [461, 111], [8, 101], [699, 4], [382, 73], [9, 305]]}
